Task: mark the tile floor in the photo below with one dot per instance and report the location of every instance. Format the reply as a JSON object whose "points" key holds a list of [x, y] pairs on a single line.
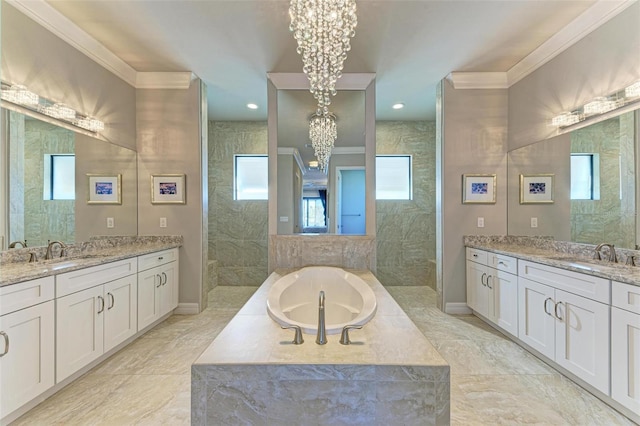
{"points": [[493, 381]]}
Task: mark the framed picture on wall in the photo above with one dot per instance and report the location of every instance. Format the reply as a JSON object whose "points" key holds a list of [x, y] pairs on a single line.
{"points": [[168, 189], [536, 189], [104, 189], [478, 189]]}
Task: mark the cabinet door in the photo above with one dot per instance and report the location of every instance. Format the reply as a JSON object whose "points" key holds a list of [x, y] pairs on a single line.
{"points": [[625, 358], [582, 338], [476, 287], [149, 283], [79, 330], [536, 325], [168, 288], [27, 366], [120, 320], [504, 303]]}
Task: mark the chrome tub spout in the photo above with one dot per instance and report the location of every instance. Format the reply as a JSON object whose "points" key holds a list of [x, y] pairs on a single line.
{"points": [[321, 337]]}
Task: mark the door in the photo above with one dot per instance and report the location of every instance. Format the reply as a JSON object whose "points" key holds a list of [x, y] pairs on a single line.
{"points": [[476, 274], [536, 323], [120, 321], [27, 366], [505, 301], [79, 330], [149, 283], [582, 336], [351, 201], [625, 358], [167, 279]]}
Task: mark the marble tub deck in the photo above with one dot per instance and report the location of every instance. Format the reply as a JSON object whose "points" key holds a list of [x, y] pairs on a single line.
{"points": [[253, 374]]}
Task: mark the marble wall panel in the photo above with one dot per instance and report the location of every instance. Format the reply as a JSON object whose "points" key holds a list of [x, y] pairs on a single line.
{"points": [[237, 229], [405, 230]]}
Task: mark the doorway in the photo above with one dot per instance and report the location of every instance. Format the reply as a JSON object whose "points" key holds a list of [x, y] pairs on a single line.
{"points": [[350, 201]]}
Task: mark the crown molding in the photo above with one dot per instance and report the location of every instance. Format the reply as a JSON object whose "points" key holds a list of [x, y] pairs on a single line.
{"points": [[592, 18], [163, 80], [45, 15], [300, 81], [341, 150], [478, 80]]}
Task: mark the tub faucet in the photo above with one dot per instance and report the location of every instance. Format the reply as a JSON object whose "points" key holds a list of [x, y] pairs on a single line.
{"points": [[321, 337], [612, 252]]}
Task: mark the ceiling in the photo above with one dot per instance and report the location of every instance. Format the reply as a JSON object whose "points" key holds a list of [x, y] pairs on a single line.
{"points": [[232, 44]]}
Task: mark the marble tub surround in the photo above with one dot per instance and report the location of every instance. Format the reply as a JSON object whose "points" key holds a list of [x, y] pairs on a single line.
{"points": [[344, 251], [14, 266], [576, 257], [253, 374]]}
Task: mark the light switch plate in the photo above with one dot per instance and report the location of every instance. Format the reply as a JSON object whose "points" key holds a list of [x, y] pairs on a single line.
{"points": [[163, 222], [481, 222], [110, 222]]}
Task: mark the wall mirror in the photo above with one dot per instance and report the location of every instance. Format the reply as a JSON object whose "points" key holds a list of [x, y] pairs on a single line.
{"points": [[303, 199], [310, 200], [595, 193], [45, 169]]}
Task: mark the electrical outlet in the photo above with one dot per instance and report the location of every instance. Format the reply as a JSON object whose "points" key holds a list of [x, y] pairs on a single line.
{"points": [[163, 222], [284, 218], [110, 222], [534, 222], [481, 222]]}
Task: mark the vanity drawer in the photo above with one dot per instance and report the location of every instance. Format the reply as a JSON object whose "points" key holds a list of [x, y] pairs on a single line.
{"points": [[152, 260], [22, 295], [625, 296], [475, 255], [594, 288], [82, 279], [503, 263]]}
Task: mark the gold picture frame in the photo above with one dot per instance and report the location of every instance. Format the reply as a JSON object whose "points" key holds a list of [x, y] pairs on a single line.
{"points": [[479, 189], [104, 188], [536, 188], [168, 189]]}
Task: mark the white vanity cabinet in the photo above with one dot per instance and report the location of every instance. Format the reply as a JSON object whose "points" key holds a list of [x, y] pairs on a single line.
{"points": [[27, 345], [157, 286], [95, 311], [492, 288], [564, 315], [625, 345]]}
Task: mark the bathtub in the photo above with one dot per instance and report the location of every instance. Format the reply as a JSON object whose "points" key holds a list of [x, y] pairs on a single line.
{"points": [[293, 299]]}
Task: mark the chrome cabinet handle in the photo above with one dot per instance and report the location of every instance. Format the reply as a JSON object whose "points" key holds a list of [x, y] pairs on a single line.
{"points": [[475, 255], [113, 301], [160, 258], [502, 263], [101, 299], [484, 274], [159, 280], [555, 311], [6, 343], [545, 306], [488, 278], [165, 278]]}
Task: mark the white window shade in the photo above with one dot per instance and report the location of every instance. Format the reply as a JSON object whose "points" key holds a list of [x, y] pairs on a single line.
{"points": [[251, 175], [393, 177]]}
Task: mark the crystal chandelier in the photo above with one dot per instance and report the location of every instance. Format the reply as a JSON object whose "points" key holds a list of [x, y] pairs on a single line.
{"points": [[323, 30], [323, 134]]}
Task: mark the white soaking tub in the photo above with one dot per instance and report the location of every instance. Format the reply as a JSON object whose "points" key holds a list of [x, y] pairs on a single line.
{"points": [[294, 299]]}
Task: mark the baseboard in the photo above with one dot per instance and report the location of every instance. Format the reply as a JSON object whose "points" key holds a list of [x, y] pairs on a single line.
{"points": [[457, 309], [187, 309]]}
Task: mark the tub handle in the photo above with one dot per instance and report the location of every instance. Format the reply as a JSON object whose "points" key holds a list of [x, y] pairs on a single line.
{"points": [[297, 339], [344, 337]]}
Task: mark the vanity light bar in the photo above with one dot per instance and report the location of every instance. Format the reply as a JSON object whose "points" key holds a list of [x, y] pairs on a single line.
{"points": [[21, 96], [598, 106]]}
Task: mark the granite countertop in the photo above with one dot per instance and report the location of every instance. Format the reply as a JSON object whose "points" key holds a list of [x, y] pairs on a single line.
{"points": [[15, 267], [389, 338], [560, 254]]}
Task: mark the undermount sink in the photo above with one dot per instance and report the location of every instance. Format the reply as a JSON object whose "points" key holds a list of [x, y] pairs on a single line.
{"points": [[586, 264]]}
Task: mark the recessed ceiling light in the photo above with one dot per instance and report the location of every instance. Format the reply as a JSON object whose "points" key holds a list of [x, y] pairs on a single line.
{"points": [[252, 106], [399, 105]]}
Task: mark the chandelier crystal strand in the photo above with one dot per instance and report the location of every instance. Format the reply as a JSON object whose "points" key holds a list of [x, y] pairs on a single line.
{"points": [[323, 134], [323, 30]]}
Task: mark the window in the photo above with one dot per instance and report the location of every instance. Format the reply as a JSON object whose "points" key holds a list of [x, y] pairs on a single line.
{"points": [[59, 177], [393, 177], [251, 177], [585, 177], [313, 212]]}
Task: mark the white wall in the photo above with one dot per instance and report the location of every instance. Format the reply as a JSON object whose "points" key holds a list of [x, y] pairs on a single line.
{"points": [[170, 141], [603, 62], [473, 140]]}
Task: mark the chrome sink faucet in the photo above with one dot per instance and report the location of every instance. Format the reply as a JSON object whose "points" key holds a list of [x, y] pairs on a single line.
{"points": [[612, 252], [321, 336], [49, 254]]}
